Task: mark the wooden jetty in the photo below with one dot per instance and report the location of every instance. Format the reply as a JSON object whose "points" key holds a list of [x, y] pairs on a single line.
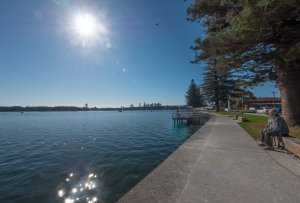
{"points": [[187, 116]]}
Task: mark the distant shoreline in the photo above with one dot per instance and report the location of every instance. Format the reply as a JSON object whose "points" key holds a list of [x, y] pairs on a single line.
{"points": [[73, 108]]}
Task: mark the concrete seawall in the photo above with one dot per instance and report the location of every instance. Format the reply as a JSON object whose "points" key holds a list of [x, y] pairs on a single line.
{"points": [[219, 163]]}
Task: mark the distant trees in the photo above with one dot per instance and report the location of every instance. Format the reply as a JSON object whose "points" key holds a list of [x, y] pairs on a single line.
{"points": [[146, 105], [41, 108], [155, 106], [193, 96], [259, 40]]}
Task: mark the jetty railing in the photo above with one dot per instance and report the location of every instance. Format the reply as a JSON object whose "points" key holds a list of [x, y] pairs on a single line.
{"points": [[188, 115]]}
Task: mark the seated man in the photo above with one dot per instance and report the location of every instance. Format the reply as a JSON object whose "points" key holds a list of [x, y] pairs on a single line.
{"points": [[278, 127], [266, 129]]}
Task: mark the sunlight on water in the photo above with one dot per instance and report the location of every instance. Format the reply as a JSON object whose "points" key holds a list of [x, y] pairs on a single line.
{"points": [[61, 193], [79, 189], [82, 156]]}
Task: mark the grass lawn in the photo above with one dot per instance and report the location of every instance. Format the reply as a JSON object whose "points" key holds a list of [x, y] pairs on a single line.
{"points": [[295, 132], [255, 123], [224, 113]]}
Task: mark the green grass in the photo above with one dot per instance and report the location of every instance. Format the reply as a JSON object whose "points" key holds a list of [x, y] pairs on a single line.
{"points": [[224, 113], [295, 132], [256, 118], [253, 128], [255, 123]]}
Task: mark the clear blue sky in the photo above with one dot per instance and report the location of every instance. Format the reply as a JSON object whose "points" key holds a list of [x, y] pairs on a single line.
{"points": [[44, 61]]}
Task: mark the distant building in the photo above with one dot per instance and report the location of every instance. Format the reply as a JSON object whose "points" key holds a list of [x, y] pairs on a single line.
{"points": [[86, 106], [262, 102]]}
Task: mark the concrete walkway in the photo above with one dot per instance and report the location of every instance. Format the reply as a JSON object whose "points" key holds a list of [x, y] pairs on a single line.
{"points": [[221, 163]]}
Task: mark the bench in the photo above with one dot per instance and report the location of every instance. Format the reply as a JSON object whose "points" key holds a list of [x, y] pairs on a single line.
{"points": [[290, 143], [242, 119]]}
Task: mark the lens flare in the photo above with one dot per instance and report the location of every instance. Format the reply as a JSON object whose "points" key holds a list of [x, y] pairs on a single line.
{"points": [[88, 29], [85, 24]]}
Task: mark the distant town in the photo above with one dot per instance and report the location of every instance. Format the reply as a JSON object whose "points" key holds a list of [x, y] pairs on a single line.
{"points": [[144, 106], [257, 102]]}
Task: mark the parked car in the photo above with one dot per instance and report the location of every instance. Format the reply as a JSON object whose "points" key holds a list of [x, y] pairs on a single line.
{"points": [[252, 109], [208, 108], [226, 109], [262, 110], [278, 109]]}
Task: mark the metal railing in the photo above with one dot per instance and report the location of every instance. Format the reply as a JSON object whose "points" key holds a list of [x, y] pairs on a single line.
{"points": [[185, 114]]}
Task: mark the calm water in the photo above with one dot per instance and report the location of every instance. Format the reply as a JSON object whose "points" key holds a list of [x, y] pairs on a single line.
{"points": [[53, 156]]}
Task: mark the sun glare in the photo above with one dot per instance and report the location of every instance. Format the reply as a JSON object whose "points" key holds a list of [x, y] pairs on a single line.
{"points": [[89, 30], [86, 25]]}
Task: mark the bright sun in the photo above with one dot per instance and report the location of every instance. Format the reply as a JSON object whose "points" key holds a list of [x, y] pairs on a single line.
{"points": [[89, 30], [86, 25]]}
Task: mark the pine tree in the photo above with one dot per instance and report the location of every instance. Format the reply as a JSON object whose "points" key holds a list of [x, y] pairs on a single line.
{"points": [[217, 86], [193, 96], [220, 85]]}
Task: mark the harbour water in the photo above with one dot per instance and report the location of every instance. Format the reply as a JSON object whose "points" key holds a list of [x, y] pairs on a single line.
{"points": [[82, 156]]}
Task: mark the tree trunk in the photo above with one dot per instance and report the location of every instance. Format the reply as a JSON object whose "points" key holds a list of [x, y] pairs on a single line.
{"points": [[217, 92], [289, 85], [217, 99], [217, 105]]}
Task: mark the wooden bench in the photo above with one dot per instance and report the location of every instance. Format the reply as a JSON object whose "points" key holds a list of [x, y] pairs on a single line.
{"points": [[290, 143], [242, 119]]}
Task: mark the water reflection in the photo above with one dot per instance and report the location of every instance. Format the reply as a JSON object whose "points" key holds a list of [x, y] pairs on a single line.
{"points": [[36, 165], [78, 188], [61, 193]]}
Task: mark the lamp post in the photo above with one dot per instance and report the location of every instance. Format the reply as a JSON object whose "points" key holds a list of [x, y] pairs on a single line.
{"points": [[242, 102], [273, 99]]}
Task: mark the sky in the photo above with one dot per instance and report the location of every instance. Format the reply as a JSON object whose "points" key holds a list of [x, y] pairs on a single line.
{"points": [[132, 51]]}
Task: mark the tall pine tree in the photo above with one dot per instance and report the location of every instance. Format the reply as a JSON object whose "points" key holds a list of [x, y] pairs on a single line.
{"points": [[193, 96], [217, 86], [220, 85]]}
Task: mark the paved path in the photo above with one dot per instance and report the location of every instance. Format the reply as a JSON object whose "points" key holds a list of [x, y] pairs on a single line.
{"points": [[221, 163]]}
